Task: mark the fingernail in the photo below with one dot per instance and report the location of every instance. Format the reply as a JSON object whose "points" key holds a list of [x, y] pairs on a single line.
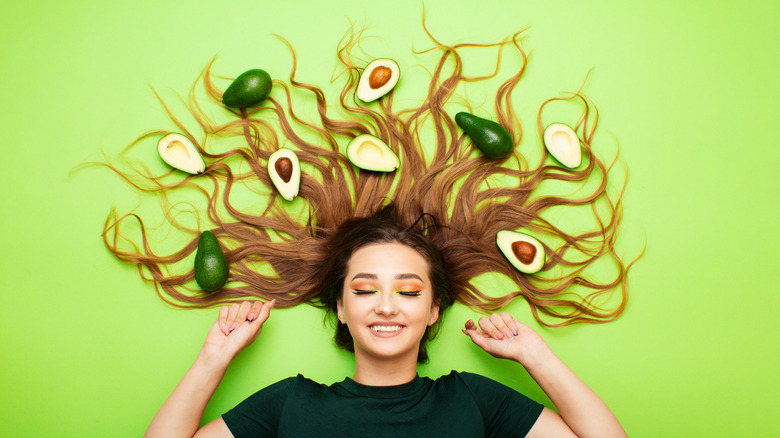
{"points": [[233, 327], [499, 335], [464, 332], [251, 317], [514, 331], [509, 335], [223, 328]]}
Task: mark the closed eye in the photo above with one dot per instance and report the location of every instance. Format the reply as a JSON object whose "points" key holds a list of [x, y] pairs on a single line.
{"points": [[363, 291], [410, 293]]}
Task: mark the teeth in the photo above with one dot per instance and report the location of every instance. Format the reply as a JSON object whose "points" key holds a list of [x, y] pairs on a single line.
{"points": [[385, 328]]}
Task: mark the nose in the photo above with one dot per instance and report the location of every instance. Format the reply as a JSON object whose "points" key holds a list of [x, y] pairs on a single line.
{"points": [[386, 304]]}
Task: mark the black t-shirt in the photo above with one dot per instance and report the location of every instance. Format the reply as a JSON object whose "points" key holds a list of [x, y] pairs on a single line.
{"points": [[455, 405]]}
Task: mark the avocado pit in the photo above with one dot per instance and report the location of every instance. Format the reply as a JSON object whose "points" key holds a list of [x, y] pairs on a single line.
{"points": [[379, 77], [524, 251], [284, 167]]}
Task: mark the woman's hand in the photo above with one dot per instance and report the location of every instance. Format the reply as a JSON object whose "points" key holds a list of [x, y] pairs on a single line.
{"points": [[504, 337], [236, 328]]}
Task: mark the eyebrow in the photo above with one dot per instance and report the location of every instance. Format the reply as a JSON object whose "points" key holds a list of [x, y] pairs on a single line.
{"points": [[397, 277]]}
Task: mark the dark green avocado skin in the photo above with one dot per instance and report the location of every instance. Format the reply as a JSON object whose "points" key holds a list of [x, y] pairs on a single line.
{"points": [[211, 267], [488, 136], [248, 89]]}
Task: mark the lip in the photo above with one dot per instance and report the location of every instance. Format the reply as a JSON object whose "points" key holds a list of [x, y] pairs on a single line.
{"points": [[381, 334]]}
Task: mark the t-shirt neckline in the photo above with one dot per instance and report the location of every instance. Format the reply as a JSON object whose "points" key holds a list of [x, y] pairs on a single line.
{"points": [[393, 391]]}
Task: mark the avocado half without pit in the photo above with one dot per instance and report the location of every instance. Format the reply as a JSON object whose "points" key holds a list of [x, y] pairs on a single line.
{"points": [[370, 153], [179, 152], [523, 251], [563, 144], [285, 172], [377, 79]]}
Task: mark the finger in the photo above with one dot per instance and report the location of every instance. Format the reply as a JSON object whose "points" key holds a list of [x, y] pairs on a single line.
{"points": [[231, 322], [489, 328], [500, 324], [265, 312], [476, 337], [255, 310], [243, 312], [510, 322], [223, 314]]}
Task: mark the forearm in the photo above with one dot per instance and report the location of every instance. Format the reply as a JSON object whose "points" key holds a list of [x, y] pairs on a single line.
{"points": [[582, 409], [181, 413]]}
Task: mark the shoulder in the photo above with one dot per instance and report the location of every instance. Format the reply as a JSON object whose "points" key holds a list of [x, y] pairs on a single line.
{"points": [[259, 414], [471, 380], [475, 386], [504, 410]]}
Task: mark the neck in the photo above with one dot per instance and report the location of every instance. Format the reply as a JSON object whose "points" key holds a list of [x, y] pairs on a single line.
{"points": [[373, 371]]}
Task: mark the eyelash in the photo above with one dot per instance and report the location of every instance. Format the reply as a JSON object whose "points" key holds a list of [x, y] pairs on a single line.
{"points": [[404, 293]]}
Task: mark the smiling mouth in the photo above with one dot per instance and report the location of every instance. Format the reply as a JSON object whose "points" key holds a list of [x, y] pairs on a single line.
{"points": [[386, 328]]}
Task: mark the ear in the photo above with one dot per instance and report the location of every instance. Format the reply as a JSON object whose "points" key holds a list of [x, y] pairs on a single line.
{"points": [[434, 314], [340, 311]]}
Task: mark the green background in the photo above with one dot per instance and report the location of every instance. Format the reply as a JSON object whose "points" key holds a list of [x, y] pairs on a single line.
{"points": [[690, 91]]}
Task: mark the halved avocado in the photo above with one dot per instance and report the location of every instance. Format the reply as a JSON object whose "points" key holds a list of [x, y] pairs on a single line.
{"points": [[377, 79], [370, 153], [563, 144], [523, 251], [285, 172], [179, 152]]}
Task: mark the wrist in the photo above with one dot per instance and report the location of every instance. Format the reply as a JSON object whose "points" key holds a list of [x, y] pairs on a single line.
{"points": [[536, 355], [212, 359]]}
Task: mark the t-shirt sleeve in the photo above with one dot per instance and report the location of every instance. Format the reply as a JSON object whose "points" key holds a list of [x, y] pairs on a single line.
{"points": [[258, 415], [506, 412]]}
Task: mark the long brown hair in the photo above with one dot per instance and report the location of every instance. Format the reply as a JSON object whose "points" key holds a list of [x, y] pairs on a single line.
{"points": [[471, 197]]}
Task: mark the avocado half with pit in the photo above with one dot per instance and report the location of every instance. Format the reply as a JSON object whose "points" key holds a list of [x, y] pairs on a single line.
{"points": [[285, 172], [523, 251], [377, 79], [371, 153], [179, 152], [563, 144]]}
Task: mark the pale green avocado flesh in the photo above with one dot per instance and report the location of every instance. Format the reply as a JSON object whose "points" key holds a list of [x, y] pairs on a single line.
{"points": [[524, 252], [371, 153], [285, 172]]}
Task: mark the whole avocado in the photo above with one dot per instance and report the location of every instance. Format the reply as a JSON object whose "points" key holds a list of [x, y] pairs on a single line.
{"points": [[211, 267], [488, 136], [248, 89]]}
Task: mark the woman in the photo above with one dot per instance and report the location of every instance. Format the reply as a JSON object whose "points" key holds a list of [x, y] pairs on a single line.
{"points": [[389, 290]]}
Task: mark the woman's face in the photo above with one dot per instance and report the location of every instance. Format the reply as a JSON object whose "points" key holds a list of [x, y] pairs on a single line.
{"points": [[387, 300]]}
